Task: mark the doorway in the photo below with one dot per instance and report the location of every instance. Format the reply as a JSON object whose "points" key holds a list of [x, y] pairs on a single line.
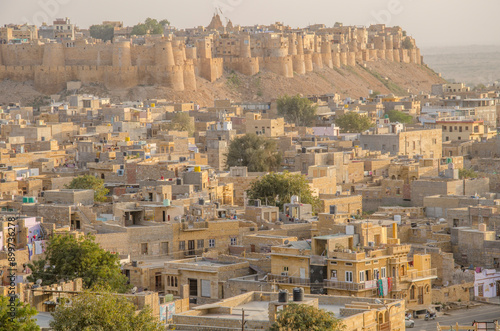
{"points": [[193, 287]]}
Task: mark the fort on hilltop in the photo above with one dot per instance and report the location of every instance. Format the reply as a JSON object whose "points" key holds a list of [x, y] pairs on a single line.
{"points": [[178, 59]]}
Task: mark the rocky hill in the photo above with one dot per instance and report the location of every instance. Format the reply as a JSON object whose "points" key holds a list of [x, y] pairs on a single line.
{"points": [[354, 82]]}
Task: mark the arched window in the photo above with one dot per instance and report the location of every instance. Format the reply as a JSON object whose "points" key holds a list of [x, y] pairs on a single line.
{"points": [[412, 292]]}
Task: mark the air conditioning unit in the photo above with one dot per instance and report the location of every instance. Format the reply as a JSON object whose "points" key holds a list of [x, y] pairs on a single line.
{"points": [[371, 244]]}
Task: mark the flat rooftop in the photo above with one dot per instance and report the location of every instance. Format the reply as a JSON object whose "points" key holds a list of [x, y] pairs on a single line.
{"points": [[259, 311]]}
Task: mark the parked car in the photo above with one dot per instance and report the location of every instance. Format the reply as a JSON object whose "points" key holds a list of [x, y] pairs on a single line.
{"points": [[409, 323]]}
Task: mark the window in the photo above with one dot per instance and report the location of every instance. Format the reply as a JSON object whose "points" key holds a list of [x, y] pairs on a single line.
{"points": [[348, 263], [382, 271], [234, 241], [466, 128], [333, 274], [376, 274], [361, 276], [348, 276], [201, 243], [144, 249], [211, 243], [333, 262], [182, 245], [164, 247]]}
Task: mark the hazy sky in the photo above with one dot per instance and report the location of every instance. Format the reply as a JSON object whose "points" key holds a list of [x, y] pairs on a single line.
{"points": [[431, 22]]}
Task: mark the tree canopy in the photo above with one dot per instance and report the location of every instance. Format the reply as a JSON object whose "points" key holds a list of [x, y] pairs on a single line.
{"points": [[103, 32], [89, 182], [102, 311], [278, 188], [258, 153], [353, 122], [407, 44], [465, 173], [399, 116], [304, 317], [23, 319], [297, 109], [67, 258], [182, 122], [150, 26]]}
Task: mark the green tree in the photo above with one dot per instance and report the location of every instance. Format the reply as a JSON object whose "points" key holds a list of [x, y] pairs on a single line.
{"points": [[103, 32], [67, 258], [296, 317], [297, 109], [407, 44], [102, 311], [353, 122], [465, 173], [89, 182], [399, 116], [278, 188], [150, 26], [257, 153], [182, 122], [23, 319]]}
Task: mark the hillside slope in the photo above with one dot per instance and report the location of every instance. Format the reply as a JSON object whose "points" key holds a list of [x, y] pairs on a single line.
{"points": [[354, 82]]}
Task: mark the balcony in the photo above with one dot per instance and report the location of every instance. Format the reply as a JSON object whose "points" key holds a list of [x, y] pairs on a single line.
{"points": [[338, 285], [288, 280], [414, 274]]}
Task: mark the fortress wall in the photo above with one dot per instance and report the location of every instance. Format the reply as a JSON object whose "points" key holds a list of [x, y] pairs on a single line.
{"points": [[343, 58], [21, 55], [121, 54], [88, 55], [327, 59], [211, 69], [53, 55], [336, 59], [389, 43], [164, 54], [351, 59], [179, 54], [143, 55], [292, 44], [17, 73], [308, 62], [89, 74], [359, 56], [299, 64], [381, 54], [389, 55], [280, 66], [318, 60], [177, 80], [404, 56], [373, 55], [189, 77], [191, 53], [419, 56], [50, 80], [120, 77], [250, 66], [397, 55]]}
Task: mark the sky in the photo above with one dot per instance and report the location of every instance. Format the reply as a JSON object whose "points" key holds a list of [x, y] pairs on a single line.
{"points": [[430, 22]]}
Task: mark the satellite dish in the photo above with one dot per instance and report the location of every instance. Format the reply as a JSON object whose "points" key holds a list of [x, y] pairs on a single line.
{"points": [[286, 242], [134, 290], [39, 282]]}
